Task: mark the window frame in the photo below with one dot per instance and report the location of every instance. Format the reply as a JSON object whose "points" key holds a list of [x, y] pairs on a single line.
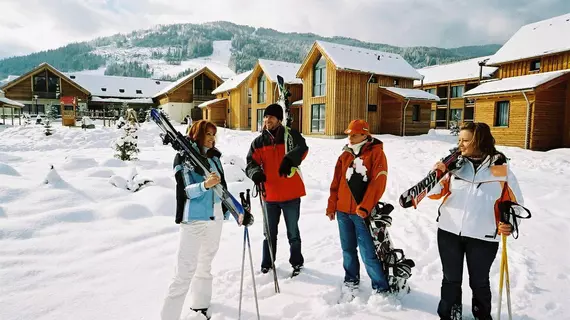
{"points": [[497, 121], [320, 119]]}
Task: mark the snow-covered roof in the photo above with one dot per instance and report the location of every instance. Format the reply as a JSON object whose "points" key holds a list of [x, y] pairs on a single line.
{"points": [[184, 79], [367, 60], [119, 100], [521, 83], [297, 103], [287, 70], [536, 39], [207, 103], [120, 87], [412, 94], [232, 82], [460, 70], [10, 102], [8, 79]]}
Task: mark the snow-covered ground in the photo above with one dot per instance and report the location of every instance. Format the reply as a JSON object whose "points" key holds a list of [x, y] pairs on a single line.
{"points": [[80, 248], [218, 61]]}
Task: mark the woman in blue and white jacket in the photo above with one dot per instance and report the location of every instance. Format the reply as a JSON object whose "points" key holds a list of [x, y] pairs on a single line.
{"points": [[200, 215]]}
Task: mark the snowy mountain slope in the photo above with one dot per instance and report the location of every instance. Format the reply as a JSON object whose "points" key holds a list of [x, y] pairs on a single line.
{"points": [[80, 248]]}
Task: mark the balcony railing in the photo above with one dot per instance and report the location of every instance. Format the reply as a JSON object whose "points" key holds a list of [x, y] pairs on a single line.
{"points": [[45, 95], [442, 102]]}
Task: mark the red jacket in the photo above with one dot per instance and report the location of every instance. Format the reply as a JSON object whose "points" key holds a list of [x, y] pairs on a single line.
{"points": [[267, 152], [359, 193]]}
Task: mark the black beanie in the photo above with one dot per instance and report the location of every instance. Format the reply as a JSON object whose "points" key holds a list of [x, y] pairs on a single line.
{"points": [[274, 110]]}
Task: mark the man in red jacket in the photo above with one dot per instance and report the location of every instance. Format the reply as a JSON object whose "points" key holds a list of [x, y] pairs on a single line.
{"points": [[273, 160]]}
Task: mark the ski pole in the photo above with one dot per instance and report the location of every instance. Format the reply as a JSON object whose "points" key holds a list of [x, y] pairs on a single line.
{"points": [[507, 282], [252, 272], [504, 275], [261, 192], [242, 269]]}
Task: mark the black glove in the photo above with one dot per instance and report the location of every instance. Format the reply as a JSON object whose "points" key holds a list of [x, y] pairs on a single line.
{"points": [[258, 177], [285, 167]]}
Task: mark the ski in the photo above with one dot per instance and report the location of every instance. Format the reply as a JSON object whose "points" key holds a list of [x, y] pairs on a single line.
{"points": [[284, 95], [397, 268], [413, 196], [190, 150]]}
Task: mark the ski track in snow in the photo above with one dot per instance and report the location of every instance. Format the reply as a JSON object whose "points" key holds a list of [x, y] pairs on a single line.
{"points": [[81, 248]]}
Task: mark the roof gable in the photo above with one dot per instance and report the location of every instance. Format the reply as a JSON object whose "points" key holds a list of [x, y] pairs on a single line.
{"points": [[287, 70], [233, 82], [363, 60], [43, 66], [535, 39], [182, 81]]}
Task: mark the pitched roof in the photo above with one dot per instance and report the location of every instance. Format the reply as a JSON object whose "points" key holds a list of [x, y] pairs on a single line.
{"points": [[369, 61], [50, 68], [412, 94], [232, 82], [521, 83], [185, 79], [536, 39], [111, 86], [207, 103], [287, 70], [9, 102], [456, 71]]}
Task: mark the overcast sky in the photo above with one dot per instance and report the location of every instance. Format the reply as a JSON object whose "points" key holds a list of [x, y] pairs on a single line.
{"points": [[32, 25]]}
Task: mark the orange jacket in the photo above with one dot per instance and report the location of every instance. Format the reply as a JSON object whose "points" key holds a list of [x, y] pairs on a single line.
{"points": [[369, 188], [266, 154]]}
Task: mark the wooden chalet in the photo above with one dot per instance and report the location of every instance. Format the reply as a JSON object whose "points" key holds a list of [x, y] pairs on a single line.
{"points": [[449, 82], [232, 106], [528, 105], [182, 97], [342, 83], [263, 81], [42, 87]]}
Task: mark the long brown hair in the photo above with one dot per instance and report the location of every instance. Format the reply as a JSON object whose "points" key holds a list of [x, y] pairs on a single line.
{"points": [[197, 132], [483, 141]]}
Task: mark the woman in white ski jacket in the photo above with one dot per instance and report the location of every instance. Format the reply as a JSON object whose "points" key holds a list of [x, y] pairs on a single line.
{"points": [[199, 213], [468, 219]]}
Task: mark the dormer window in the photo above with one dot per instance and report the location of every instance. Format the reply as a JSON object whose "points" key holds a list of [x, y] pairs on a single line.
{"points": [[535, 65], [122, 90], [103, 89], [396, 82], [139, 91]]}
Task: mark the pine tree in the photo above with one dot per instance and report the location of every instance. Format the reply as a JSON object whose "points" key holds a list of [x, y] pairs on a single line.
{"points": [[48, 131], [454, 125], [52, 112], [127, 145]]}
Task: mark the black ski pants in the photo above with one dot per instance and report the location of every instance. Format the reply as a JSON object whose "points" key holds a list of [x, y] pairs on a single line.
{"points": [[480, 255]]}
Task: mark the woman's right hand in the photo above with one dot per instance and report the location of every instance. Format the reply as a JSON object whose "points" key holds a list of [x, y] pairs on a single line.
{"points": [[212, 180], [440, 166]]}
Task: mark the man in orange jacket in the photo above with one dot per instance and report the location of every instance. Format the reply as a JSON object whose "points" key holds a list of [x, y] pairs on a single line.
{"points": [[359, 182], [273, 160]]}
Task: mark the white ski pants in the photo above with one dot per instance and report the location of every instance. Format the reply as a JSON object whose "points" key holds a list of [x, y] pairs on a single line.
{"points": [[199, 242]]}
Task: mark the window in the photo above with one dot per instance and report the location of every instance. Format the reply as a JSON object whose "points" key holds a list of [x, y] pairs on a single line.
{"points": [[40, 82], [432, 115], [261, 89], [396, 82], [535, 65], [455, 115], [122, 90], [456, 91], [260, 119], [318, 118], [431, 90], [103, 89], [416, 112], [502, 114], [249, 117], [53, 82], [320, 78], [249, 93], [373, 80], [139, 91], [469, 114], [372, 107]]}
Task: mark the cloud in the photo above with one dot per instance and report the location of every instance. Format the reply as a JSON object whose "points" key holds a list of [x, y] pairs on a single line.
{"points": [[32, 25]]}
